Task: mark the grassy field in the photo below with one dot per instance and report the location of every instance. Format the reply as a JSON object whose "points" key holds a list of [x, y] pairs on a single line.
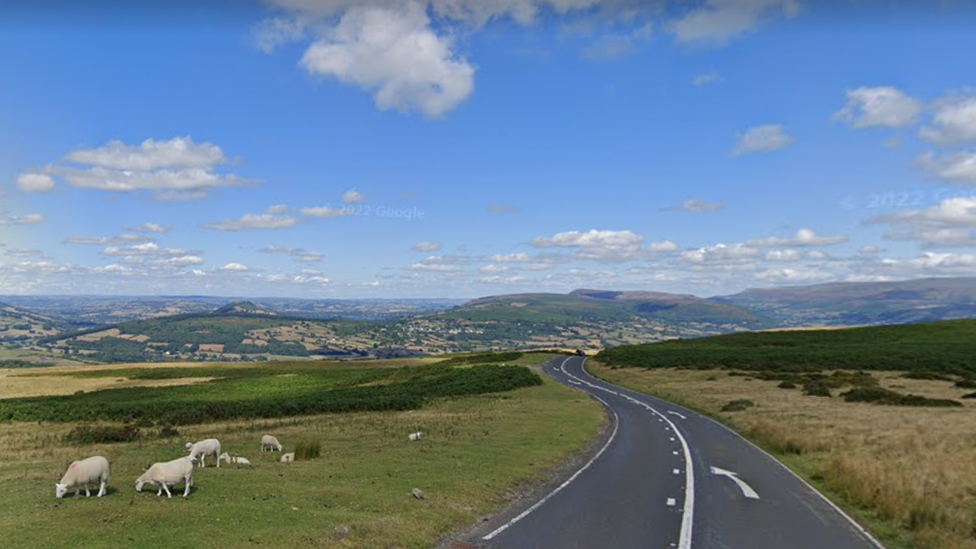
{"points": [[477, 454], [908, 473], [938, 347]]}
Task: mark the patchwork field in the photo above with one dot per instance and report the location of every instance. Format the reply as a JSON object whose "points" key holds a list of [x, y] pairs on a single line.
{"points": [[480, 450]]}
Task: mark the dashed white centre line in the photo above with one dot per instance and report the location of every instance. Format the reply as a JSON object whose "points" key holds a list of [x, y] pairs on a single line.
{"points": [[671, 502]]}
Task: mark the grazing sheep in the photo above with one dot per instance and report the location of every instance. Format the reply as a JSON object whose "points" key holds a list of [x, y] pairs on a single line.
{"points": [[168, 473], [237, 460], [414, 436], [93, 470], [268, 441], [288, 458], [204, 448]]}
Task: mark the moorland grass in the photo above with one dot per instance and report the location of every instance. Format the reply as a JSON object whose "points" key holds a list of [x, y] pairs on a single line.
{"points": [[938, 347], [478, 452]]}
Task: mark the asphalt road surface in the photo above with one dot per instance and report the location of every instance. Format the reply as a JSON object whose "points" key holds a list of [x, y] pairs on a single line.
{"points": [[668, 478]]}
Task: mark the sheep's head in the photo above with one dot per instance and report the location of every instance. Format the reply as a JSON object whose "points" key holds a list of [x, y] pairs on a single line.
{"points": [[139, 484], [188, 446], [60, 489]]}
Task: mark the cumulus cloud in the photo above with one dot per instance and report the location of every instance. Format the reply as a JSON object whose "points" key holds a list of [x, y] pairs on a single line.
{"points": [[34, 182], [427, 246], [720, 254], [718, 21], [236, 267], [882, 106], [769, 137], [144, 249], [950, 223], [392, 52], [494, 269], [352, 196], [604, 246], [520, 257], [177, 169], [119, 240], [794, 276], [803, 238], [954, 120], [955, 167]]}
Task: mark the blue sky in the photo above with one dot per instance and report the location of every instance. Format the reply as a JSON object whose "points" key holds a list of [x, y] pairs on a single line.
{"points": [[458, 148]]}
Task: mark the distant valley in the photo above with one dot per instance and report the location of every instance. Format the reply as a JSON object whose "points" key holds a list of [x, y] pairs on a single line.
{"points": [[103, 329]]}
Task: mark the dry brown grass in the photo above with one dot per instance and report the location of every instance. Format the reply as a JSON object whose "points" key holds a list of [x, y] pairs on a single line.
{"points": [[913, 469]]}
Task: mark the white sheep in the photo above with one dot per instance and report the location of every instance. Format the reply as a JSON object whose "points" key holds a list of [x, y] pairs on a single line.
{"points": [[230, 459], [168, 473], [204, 448], [268, 441], [414, 436], [93, 470], [288, 458]]}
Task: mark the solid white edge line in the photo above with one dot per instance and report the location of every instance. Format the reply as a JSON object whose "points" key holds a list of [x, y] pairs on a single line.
{"points": [[833, 505], [539, 503], [688, 514]]}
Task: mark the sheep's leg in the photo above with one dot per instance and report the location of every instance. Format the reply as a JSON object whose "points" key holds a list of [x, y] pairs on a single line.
{"points": [[169, 495], [101, 489], [218, 462], [186, 491], [87, 493]]}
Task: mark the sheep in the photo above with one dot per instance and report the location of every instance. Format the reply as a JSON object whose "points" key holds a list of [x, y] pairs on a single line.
{"points": [[82, 473], [168, 473], [204, 448], [229, 459], [414, 436], [268, 441], [288, 458]]}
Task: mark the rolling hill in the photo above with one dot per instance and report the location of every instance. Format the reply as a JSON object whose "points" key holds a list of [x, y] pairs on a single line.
{"points": [[19, 325], [862, 303]]}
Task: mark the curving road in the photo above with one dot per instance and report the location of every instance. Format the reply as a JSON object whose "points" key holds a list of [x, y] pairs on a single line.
{"points": [[669, 478]]}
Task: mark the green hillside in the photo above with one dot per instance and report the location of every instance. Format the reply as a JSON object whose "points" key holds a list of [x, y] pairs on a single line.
{"points": [[945, 347]]}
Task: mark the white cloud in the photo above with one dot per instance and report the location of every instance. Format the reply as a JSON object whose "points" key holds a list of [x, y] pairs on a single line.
{"points": [[718, 21], [179, 152], [29, 219], [803, 238], [883, 106], [950, 223], [18, 252], [720, 254], [272, 33], [932, 264], [119, 240], [352, 196], [769, 137], [706, 78], [436, 267], [277, 209], [427, 246], [265, 221], [183, 260], [494, 269], [393, 52], [236, 267], [34, 182], [782, 256], [954, 119], [145, 249], [154, 228], [604, 246], [520, 257], [327, 211], [959, 167], [794, 276], [299, 255], [177, 169]]}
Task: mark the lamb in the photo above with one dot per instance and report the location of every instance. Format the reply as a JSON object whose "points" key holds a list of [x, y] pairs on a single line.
{"points": [[82, 473], [414, 436], [204, 448], [288, 458], [168, 473], [229, 459], [268, 441]]}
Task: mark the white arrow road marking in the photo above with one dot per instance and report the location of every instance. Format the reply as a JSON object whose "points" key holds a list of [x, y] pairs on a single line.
{"points": [[673, 413], [747, 490]]}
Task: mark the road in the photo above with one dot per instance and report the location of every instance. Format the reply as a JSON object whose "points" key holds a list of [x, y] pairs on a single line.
{"points": [[669, 478]]}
